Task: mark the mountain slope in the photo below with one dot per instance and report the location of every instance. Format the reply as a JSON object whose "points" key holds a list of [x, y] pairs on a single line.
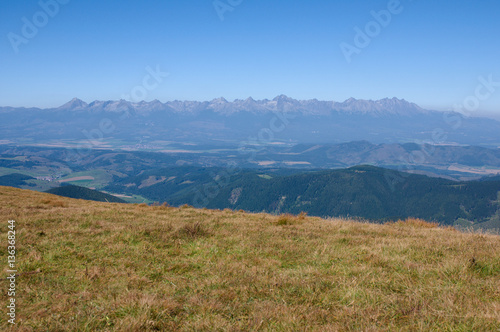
{"points": [[78, 192], [98, 266], [367, 192], [282, 119], [14, 179]]}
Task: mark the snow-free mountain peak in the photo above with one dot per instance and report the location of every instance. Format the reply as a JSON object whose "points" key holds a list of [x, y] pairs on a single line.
{"points": [[74, 104]]}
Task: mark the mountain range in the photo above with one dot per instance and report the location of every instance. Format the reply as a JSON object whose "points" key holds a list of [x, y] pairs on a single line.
{"points": [[221, 105], [282, 120], [384, 106]]}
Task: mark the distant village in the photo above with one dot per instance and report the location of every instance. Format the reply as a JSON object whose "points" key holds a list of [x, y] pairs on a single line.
{"points": [[49, 178]]}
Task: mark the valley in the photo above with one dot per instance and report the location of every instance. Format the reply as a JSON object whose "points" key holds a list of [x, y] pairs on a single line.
{"points": [[327, 185]]}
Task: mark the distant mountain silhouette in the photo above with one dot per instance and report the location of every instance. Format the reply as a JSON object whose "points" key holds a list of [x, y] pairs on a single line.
{"points": [[283, 119]]}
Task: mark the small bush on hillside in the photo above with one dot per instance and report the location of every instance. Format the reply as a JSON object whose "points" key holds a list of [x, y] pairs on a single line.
{"points": [[302, 215], [286, 219], [417, 223]]}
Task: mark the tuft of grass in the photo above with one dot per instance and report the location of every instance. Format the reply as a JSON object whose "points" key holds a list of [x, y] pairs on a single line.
{"points": [[483, 269], [416, 223], [290, 219], [91, 266], [286, 219], [193, 230], [53, 202], [302, 215]]}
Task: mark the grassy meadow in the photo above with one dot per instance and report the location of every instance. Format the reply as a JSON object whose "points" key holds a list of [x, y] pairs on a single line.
{"points": [[88, 266]]}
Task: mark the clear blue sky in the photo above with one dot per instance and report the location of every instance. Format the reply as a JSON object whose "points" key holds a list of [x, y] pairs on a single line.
{"points": [[431, 53]]}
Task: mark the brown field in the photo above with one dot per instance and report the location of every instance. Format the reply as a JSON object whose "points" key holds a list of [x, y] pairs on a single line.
{"points": [[474, 170], [88, 266], [77, 178]]}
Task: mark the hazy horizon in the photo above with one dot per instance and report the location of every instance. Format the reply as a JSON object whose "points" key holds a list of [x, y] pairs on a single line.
{"points": [[477, 113], [427, 53]]}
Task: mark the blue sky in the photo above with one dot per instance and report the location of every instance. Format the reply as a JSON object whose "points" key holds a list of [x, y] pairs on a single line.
{"points": [[431, 53]]}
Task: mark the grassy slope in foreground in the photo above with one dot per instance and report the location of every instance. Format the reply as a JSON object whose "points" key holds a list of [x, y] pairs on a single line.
{"points": [[101, 266]]}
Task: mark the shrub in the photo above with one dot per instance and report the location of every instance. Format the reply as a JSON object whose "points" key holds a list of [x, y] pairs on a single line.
{"points": [[286, 219], [302, 215], [417, 223]]}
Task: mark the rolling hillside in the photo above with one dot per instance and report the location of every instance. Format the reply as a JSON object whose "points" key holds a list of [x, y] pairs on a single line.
{"points": [[78, 192], [363, 191], [367, 192], [14, 180], [88, 266]]}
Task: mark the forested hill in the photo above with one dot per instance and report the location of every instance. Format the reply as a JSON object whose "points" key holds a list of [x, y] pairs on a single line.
{"points": [[364, 191], [72, 191]]}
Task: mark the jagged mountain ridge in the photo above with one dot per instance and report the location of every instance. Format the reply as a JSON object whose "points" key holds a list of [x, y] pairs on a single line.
{"points": [[281, 119], [392, 106]]}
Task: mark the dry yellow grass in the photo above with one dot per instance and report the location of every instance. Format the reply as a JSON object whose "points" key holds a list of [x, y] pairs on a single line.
{"points": [[90, 266]]}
